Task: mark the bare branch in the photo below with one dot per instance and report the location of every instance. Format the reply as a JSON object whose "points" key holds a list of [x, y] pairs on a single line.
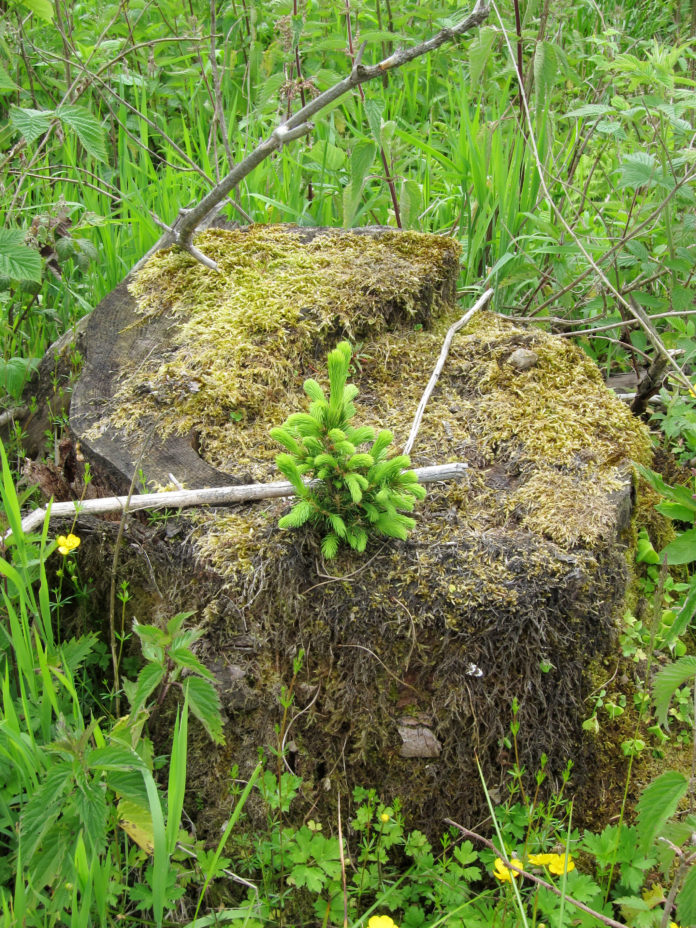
{"points": [[479, 304], [299, 124], [213, 496]]}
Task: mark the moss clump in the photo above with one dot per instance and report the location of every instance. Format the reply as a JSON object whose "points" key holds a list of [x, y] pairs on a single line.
{"points": [[238, 341]]}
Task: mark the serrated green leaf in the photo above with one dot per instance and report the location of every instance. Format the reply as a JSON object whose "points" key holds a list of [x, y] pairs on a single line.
{"points": [[149, 679], [42, 8], [373, 111], [30, 123], [668, 680], [86, 127], [657, 804], [640, 169], [17, 260], [114, 758], [15, 373], [589, 109], [7, 85], [686, 900], [480, 51], [545, 68], [185, 658], [204, 702], [682, 550]]}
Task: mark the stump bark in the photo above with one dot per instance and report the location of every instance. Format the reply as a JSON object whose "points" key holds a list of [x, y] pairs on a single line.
{"points": [[508, 588]]}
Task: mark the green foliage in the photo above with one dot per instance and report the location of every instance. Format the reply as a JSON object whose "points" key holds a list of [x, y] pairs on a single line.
{"points": [[354, 494]]}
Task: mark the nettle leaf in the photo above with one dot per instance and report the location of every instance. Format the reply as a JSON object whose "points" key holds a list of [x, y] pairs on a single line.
{"points": [[86, 127], [668, 680], [480, 51], [17, 260], [7, 85], [30, 123], [640, 169], [682, 550], [589, 109], [149, 679], [205, 705], [15, 373], [657, 804], [42, 8], [686, 900], [545, 68]]}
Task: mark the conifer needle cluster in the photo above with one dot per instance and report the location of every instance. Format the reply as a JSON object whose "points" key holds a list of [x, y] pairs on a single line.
{"points": [[359, 492]]}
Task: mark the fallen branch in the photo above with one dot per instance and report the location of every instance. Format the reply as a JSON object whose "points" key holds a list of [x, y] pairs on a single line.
{"points": [[213, 496], [531, 876], [479, 304], [297, 126]]}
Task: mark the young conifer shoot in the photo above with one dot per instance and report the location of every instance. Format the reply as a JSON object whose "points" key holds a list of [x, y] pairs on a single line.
{"points": [[360, 491]]}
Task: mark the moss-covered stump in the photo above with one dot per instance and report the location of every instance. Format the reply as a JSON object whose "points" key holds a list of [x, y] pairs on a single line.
{"points": [[511, 582]]}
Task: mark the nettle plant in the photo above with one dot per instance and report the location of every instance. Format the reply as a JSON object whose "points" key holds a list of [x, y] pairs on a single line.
{"points": [[352, 493]]}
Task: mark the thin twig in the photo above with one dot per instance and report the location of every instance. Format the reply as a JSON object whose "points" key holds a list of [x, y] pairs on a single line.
{"points": [[299, 125], [479, 304], [212, 496]]}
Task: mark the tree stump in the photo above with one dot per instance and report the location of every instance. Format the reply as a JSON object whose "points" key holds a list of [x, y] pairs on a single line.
{"points": [[508, 588]]}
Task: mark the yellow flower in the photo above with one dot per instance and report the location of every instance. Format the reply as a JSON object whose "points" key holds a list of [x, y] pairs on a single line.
{"points": [[555, 862], [384, 817], [503, 873], [68, 543], [673, 925], [381, 921], [541, 860], [561, 864]]}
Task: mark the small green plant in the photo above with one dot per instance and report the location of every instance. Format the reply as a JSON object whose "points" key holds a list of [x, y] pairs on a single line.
{"points": [[353, 493]]}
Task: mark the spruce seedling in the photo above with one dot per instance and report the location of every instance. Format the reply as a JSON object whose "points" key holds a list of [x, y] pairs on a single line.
{"points": [[360, 492]]}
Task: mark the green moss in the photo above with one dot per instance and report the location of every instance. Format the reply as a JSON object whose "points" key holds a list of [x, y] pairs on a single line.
{"points": [[240, 339]]}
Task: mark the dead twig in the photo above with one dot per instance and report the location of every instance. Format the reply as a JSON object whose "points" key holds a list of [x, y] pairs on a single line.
{"points": [[212, 496], [298, 125], [479, 304]]}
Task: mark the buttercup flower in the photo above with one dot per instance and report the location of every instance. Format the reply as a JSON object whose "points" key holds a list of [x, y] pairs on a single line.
{"points": [[504, 873], [555, 862], [381, 921], [67, 543], [384, 817]]}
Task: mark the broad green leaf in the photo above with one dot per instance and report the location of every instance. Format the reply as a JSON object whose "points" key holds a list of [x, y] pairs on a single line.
{"points": [[410, 204], [640, 169], [373, 111], [480, 51], [86, 127], [684, 616], [204, 702], [15, 373], [17, 260], [136, 821], [545, 68], [30, 123], [7, 85], [682, 550], [114, 758], [668, 680], [686, 900], [185, 658], [361, 160], [327, 155], [148, 679], [42, 8], [589, 109], [657, 804]]}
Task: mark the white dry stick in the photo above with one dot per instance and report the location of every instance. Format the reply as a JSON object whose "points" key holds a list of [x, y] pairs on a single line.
{"points": [[479, 304], [213, 496]]}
